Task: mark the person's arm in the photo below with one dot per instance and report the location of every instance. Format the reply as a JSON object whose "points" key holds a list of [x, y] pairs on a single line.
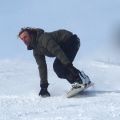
{"points": [[42, 67]]}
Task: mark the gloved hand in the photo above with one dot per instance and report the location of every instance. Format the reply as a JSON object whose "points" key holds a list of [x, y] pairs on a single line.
{"points": [[44, 92]]}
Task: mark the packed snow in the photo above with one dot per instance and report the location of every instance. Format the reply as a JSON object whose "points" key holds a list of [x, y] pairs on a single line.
{"points": [[19, 88]]}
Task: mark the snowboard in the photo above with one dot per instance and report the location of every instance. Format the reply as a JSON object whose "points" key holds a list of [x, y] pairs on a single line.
{"points": [[74, 92]]}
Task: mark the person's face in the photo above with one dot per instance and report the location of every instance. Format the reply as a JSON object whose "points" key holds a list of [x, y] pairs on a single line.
{"points": [[25, 37]]}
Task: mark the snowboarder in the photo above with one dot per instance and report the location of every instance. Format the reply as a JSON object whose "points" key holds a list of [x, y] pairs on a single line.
{"points": [[61, 44]]}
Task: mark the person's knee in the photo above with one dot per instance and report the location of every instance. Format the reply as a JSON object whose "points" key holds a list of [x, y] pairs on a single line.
{"points": [[60, 75], [58, 70]]}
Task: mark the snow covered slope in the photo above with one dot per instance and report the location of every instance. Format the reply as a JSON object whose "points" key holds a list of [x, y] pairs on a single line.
{"points": [[19, 87]]}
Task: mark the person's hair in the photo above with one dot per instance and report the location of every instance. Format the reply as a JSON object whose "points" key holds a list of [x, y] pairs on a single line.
{"points": [[27, 29]]}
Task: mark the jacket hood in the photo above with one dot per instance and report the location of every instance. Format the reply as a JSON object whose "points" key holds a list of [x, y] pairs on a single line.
{"points": [[33, 42], [39, 31]]}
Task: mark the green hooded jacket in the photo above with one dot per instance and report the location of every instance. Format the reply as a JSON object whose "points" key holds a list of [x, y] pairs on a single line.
{"points": [[48, 44]]}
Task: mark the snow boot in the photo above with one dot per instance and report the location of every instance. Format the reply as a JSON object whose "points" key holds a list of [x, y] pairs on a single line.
{"points": [[85, 79], [79, 78]]}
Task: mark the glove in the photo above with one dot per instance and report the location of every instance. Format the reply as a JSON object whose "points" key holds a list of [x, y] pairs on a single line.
{"points": [[44, 92]]}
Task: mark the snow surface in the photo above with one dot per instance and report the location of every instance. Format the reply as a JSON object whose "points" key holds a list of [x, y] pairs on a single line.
{"points": [[19, 88]]}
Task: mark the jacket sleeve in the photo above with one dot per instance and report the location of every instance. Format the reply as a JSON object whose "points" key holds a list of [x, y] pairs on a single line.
{"points": [[54, 48], [42, 67]]}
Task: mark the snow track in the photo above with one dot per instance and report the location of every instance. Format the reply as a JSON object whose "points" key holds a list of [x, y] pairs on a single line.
{"points": [[19, 98]]}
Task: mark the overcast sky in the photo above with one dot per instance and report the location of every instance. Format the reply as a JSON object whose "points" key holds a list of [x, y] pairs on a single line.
{"points": [[91, 20]]}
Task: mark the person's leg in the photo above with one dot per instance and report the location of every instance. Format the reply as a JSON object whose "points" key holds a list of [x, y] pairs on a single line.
{"points": [[70, 48], [59, 69], [62, 72]]}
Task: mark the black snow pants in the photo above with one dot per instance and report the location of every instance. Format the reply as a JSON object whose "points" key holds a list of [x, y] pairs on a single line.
{"points": [[70, 48]]}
